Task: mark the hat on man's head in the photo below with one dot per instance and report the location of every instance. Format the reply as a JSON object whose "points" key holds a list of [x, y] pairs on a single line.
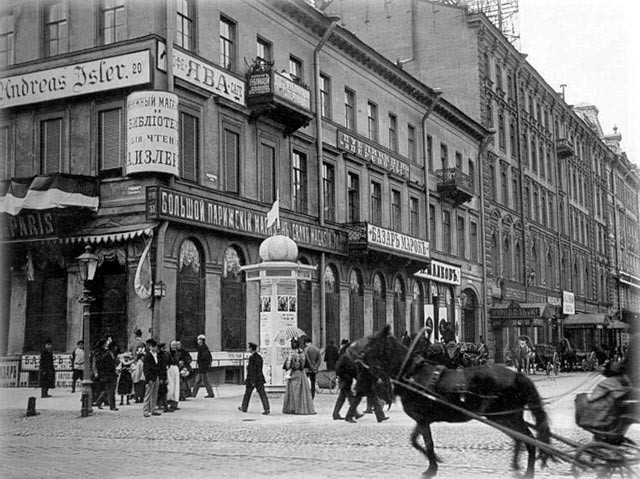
{"points": [[253, 346], [138, 332], [152, 342], [202, 336]]}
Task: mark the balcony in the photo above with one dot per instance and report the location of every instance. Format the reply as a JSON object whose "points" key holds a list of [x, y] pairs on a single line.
{"points": [[278, 96], [454, 185], [564, 148]]}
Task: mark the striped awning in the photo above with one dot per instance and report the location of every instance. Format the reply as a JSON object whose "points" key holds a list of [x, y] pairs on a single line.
{"points": [[56, 190], [111, 229]]}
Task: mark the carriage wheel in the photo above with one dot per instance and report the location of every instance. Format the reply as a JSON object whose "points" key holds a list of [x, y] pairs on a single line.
{"points": [[604, 460], [556, 363], [333, 384]]}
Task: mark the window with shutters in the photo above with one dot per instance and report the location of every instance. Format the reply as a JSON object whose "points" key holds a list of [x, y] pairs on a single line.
{"points": [[51, 132], [189, 141], [231, 160], [110, 140]]}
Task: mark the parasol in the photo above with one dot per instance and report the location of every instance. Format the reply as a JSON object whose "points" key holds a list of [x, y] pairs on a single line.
{"points": [[288, 333]]}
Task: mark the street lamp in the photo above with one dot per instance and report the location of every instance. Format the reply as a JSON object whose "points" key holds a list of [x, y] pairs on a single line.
{"points": [[87, 265]]}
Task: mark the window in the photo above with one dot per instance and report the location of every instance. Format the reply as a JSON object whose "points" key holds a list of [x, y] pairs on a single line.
{"points": [[432, 226], [264, 49], [396, 210], [329, 191], [295, 69], [541, 157], [543, 206], [505, 188], [517, 264], [268, 173], [110, 142], [376, 203], [506, 258], [7, 45], [51, 133], [536, 207], [498, 77], [444, 156], [299, 182], [349, 109], [184, 24], [414, 217], [487, 66], [4, 153], [461, 237], [472, 175], [525, 148], [512, 139], [372, 121], [446, 231], [474, 240], [113, 21], [430, 152], [353, 197], [534, 158], [502, 137], [551, 216], [459, 160], [492, 182], [227, 44], [515, 192], [325, 96], [393, 132], [489, 114], [189, 146], [55, 29], [231, 152], [411, 143]]}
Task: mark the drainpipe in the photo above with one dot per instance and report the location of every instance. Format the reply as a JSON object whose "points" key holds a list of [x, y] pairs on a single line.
{"points": [[319, 141], [482, 150], [436, 98]]}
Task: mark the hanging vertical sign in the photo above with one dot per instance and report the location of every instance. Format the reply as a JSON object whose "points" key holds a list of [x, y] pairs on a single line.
{"points": [[152, 133]]}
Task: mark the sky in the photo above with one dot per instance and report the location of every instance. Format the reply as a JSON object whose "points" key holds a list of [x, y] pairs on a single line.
{"points": [[592, 46]]}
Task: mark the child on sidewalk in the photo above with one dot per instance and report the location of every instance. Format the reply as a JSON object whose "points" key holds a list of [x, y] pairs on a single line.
{"points": [[125, 380]]}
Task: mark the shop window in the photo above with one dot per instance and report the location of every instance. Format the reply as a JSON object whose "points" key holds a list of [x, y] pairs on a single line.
{"points": [[233, 301], [332, 304], [356, 306], [399, 307], [379, 302], [190, 294]]}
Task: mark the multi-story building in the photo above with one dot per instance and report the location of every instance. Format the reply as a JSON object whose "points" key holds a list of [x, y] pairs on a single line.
{"points": [[548, 177], [172, 127]]}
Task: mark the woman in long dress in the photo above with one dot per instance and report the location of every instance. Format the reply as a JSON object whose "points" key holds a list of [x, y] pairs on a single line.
{"points": [[297, 396]]}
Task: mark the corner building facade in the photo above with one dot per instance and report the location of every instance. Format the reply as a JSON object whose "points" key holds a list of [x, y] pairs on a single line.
{"points": [[275, 100], [550, 179]]}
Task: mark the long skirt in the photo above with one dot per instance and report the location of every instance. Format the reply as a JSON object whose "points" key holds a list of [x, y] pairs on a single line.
{"points": [[125, 383], [297, 396], [173, 383]]}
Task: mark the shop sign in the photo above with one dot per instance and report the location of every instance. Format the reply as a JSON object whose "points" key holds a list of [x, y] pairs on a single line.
{"points": [[152, 133], [33, 224], [514, 312], [31, 362], [372, 154], [568, 302], [397, 241], [440, 272], [554, 301], [259, 84], [122, 71], [515, 294], [290, 91], [163, 203], [205, 75]]}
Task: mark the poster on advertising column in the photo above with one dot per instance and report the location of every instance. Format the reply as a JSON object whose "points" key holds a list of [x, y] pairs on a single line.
{"points": [[152, 133]]}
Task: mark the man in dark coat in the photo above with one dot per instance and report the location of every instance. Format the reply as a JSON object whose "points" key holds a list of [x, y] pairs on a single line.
{"points": [[204, 364], [47, 370], [255, 379], [151, 368], [331, 355]]}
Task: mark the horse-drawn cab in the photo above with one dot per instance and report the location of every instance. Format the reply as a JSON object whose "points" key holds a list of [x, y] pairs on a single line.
{"points": [[523, 355], [547, 358]]}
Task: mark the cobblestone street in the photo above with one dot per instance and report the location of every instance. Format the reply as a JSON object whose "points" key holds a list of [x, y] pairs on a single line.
{"points": [[210, 438]]}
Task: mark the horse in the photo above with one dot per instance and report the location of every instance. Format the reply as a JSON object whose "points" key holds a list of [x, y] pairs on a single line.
{"points": [[524, 356], [486, 391], [568, 356]]}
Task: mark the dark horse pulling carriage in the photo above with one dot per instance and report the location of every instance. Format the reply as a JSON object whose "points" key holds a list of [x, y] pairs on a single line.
{"points": [[431, 392]]}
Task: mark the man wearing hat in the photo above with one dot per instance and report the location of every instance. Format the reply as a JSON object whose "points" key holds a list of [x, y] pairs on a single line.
{"points": [[47, 370], [204, 364], [255, 379]]}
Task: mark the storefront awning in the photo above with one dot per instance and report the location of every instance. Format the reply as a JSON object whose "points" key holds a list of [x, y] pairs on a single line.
{"points": [[57, 190], [617, 324], [104, 230], [585, 319]]}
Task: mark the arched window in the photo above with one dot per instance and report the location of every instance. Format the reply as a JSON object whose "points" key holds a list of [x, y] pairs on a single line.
{"points": [[399, 307], [379, 302], [332, 304], [190, 294], [506, 259], [417, 309], [495, 254], [305, 306], [549, 276], [469, 303], [534, 267], [356, 305], [233, 301], [517, 263]]}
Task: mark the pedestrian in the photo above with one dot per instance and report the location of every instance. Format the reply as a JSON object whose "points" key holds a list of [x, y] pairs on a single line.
{"points": [[331, 355], [47, 371], [137, 341], [173, 378], [344, 344], [255, 379], [106, 374], [77, 364], [297, 396], [97, 388], [347, 371], [137, 376], [312, 364], [406, 339], [125, 379], [152, 379], [204, 364], [185, 371], [163, 358]]}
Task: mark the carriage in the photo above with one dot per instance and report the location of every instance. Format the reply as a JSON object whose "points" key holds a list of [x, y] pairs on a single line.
{"points": [[547, 358], [432, 394]]}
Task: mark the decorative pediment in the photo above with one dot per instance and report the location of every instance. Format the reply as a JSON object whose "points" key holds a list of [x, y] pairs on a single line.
{"points": [[507, 220]]}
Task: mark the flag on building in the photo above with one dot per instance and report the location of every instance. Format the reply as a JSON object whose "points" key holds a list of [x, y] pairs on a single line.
{"points": [[273, 216]]}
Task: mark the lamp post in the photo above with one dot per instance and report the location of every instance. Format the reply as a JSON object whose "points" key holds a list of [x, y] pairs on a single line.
{"points": [[87, 265]]}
